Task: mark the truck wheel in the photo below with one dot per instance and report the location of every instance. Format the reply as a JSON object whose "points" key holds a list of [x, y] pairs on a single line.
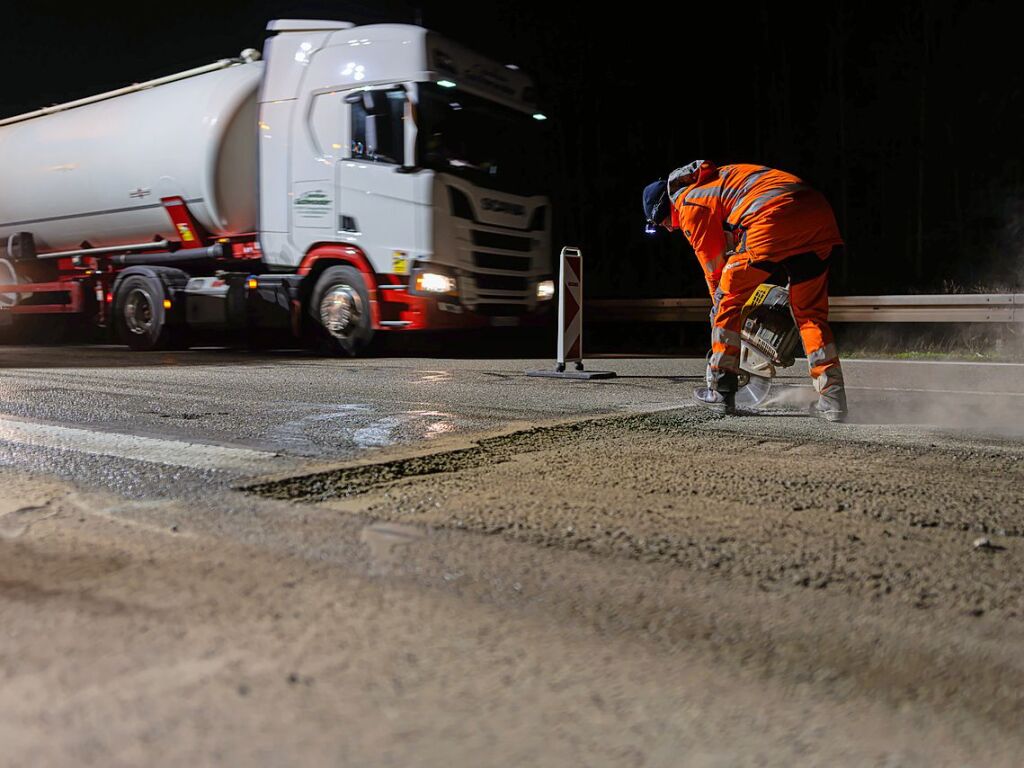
{"points": [[340, 308], [139, 314], [9, 276]]}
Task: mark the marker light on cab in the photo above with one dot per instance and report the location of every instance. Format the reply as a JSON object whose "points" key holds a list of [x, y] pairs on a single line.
{"points": [[545, 290]]}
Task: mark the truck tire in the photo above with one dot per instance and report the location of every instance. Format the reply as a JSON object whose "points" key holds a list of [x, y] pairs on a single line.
{"points": [[139, 315], [340, 309]]}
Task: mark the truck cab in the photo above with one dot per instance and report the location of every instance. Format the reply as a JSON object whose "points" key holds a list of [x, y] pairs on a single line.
{"points": [[413, 153]]}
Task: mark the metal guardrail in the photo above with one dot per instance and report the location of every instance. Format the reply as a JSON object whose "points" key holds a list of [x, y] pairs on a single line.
{"points": [[953, 308]]}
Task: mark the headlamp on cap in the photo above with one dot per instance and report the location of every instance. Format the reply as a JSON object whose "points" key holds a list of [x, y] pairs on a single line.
{"points": [[657, 206]]}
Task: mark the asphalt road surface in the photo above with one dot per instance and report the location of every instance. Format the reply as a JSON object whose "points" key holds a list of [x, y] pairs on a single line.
{"points": [[214, 557]]}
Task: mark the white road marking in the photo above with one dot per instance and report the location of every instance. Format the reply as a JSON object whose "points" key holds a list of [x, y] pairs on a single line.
{"points": [[175, 453]]}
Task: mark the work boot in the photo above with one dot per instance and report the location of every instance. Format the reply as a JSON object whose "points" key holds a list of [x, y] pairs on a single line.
{"points": [[720, 392], [720, 401], [831, 405]]}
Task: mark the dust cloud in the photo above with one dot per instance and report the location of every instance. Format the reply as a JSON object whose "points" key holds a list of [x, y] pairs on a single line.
{"points": [[974, 412], [960, 396]]}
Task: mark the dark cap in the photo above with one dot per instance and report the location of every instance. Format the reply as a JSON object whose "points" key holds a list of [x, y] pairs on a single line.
{"points": [[657, 206]]}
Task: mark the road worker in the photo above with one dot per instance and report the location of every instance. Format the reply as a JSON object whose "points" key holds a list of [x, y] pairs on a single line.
{"points": [[744, 223]]}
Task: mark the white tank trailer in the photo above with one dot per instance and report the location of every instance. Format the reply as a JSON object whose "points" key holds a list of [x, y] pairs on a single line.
{"points": [[351, 180], [97, 173]]}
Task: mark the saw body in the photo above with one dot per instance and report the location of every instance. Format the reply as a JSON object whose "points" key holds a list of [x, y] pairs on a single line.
{"points": [[769, 341]]}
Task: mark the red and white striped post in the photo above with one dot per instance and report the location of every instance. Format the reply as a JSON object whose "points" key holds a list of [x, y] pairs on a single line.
{"points": [[570, 309], [570, 320]]}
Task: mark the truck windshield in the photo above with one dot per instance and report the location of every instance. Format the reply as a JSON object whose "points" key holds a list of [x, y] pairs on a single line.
{"points": [[487, 143]]}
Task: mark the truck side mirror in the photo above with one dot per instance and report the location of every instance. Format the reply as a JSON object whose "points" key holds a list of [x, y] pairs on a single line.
{"points": [[371, 103]]}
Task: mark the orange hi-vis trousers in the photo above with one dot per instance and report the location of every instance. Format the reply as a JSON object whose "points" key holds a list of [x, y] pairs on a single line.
{"points": [[808, 297]]}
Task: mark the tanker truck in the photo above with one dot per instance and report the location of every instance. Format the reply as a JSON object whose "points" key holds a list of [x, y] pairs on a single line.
{"points": [[350, 181]]}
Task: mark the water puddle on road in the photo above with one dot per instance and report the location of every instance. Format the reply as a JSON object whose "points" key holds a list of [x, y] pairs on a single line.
{"points": [[435, 375], [360, 426], [419, 424]]}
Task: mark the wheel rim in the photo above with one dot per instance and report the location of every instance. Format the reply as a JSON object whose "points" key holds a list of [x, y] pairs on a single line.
{"points": [[341, 311], [138, 312], [9, 276]]}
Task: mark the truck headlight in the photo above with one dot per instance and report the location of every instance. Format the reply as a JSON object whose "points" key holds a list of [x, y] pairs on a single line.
{"points": [[434, 282], [545, 290]]}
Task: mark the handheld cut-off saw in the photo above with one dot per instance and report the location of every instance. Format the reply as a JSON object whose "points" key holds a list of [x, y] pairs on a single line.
{"points": [[769, 340]]}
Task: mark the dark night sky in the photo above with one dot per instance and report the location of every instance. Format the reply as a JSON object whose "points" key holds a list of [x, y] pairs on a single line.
{"points": [[909, 118]]}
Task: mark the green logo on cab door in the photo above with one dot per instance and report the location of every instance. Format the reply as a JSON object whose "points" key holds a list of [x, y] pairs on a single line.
{"points": [[314, 204]]}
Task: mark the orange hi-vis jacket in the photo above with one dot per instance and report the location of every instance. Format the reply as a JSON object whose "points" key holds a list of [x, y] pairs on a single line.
{"points": [[753, 213]]}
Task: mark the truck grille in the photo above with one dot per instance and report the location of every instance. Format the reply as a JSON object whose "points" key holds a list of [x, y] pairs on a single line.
{"points": [[501, 261], [506, 262], [501, 242]]}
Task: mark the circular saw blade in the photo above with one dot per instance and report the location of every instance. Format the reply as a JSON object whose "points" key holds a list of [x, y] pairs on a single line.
{"points": [[754, 392]]}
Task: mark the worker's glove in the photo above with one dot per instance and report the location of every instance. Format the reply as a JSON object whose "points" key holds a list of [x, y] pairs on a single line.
{"points": [[716, 299]]}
